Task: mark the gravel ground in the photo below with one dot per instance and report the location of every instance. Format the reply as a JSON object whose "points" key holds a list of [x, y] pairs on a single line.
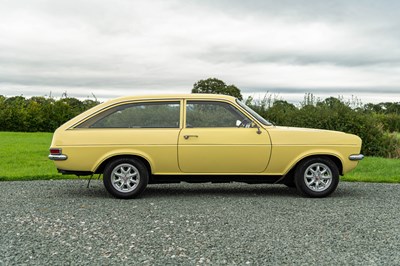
{"points": [[63, 222]]}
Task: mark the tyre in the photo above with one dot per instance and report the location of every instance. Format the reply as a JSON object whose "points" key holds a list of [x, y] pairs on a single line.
{"points": [[316, 177], [125, 178]]}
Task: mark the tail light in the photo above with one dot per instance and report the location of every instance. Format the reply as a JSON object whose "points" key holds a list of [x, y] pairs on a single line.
{"points": [[55, 151], [56, 155]]}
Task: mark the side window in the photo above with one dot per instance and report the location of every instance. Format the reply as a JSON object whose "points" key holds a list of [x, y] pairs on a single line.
{"points": [[212, 114], [137, 115]]}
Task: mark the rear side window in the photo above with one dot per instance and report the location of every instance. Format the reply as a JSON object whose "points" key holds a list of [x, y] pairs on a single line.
{"points": [[137, 115]]}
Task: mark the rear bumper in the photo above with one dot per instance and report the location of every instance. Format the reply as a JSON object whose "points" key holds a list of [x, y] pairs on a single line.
{"points": [[58, 157], [356, 157]]}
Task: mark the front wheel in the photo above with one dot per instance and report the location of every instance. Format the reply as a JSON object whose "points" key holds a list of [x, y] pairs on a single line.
{"points": [[316, 177], [125, 178]]}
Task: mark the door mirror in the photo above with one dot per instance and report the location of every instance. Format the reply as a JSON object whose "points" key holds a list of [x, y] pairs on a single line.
{"points": [[238, 123]]}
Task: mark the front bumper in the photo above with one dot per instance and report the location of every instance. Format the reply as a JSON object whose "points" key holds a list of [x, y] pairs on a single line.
{"points": [[356, 157]]}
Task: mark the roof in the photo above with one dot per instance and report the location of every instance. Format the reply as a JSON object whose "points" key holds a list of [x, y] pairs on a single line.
{"points": [[173, 96]]}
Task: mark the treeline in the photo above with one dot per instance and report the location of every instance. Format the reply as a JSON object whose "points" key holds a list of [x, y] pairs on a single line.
{"points": [[378, 125], [39, 114]]}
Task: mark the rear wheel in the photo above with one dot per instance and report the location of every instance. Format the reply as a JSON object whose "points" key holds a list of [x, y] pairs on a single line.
{"points": [[316, 177], [125, 178]]}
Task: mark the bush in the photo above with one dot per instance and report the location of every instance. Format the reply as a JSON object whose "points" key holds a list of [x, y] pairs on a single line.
{"points": [[39, 114], [390, 122]]}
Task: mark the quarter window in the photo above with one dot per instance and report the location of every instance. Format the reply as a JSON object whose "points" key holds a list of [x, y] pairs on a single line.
{"points": [[212, 114], [137, 115]]}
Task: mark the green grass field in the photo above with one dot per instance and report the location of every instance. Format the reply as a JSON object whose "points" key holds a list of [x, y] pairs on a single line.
{"points": [[23, 156], [375, 169]]}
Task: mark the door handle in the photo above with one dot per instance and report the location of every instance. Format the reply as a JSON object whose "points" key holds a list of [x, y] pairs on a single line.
{"points": [[190, 136]]}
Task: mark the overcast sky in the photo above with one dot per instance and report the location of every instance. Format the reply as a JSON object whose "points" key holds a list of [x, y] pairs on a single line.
{"points": [[129, 47]]}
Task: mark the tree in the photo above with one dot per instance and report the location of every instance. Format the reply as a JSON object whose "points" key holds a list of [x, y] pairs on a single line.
{"points": [[216, 86]]}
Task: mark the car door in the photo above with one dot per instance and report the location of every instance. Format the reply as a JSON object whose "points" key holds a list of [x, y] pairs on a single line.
{"points": [[212, 141]]}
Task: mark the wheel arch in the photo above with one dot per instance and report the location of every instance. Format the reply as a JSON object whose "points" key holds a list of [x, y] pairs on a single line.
{"points": [[102, 165], [333, 157], [336, 160]]}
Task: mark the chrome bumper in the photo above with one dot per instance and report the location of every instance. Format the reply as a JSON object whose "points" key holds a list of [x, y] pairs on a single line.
{"points": [[60, 157], [356, 157]]}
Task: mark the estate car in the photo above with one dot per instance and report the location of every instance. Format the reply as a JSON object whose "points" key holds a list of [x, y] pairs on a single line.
{"points": [[135, 141]]}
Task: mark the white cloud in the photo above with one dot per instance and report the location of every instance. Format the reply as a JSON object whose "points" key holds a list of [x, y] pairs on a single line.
{"points": [[131, 47]]}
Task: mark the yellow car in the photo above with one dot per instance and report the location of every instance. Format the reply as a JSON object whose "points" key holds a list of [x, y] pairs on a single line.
{"points": [[134, 141]]}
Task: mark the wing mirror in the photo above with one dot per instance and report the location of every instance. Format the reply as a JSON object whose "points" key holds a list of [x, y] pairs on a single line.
{"points": [[258, 128]]}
